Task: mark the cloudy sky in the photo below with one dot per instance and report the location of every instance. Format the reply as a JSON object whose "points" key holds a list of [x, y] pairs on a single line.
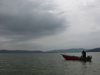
{"points": [[49, 24]]}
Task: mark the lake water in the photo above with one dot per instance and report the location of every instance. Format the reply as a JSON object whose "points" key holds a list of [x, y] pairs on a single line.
{"points": [[47, 64]]}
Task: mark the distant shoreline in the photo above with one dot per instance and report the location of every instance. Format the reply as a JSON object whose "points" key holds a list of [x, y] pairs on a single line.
{"points": [[52, 51]]}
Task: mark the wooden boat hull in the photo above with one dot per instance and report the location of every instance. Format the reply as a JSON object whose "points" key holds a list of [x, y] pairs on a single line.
{"points": [[67, 57]]}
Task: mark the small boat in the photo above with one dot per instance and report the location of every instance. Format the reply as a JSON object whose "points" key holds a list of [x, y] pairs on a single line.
{"points": [[68, 57]]}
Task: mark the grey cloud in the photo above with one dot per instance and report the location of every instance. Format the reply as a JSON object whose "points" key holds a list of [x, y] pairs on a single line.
{"points": [[24, 20]]}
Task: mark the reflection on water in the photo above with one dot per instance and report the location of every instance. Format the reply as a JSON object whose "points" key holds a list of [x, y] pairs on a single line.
{"points": [[78, 67], [84, 67]]}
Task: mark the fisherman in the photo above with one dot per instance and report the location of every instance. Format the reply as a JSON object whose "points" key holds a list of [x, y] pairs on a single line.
{"points": [[83, 54]]}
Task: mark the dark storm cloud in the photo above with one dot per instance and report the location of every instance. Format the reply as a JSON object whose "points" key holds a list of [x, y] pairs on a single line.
{"points": [[27, 19]]}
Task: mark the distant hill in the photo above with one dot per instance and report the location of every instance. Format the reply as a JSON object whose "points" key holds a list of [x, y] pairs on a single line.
{"points": [[52, 51], [19, 51], [66, 50], [94, 50]]}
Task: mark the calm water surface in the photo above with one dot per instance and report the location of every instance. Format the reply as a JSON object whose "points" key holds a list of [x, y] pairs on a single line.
{"points": [[47, 64]]}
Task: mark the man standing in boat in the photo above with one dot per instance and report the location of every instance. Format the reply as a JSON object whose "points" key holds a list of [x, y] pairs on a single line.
{"points": [[83, 54]]}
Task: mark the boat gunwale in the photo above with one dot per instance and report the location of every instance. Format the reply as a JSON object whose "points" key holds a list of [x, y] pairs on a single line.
{"points": [[77, 57]]}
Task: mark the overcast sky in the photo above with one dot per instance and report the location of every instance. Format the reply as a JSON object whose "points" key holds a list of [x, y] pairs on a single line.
{"points": [[49, 24]]}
